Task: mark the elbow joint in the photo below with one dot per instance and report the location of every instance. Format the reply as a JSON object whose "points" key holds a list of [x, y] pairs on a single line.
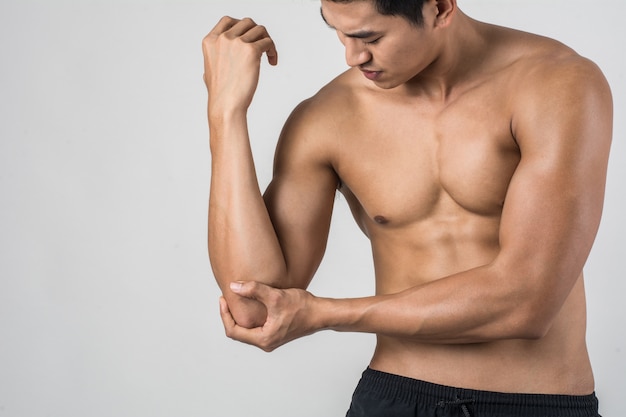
{"points": [[533, 326]]}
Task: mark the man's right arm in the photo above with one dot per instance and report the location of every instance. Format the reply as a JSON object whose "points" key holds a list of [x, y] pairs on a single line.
{"points": [[278, 239]]}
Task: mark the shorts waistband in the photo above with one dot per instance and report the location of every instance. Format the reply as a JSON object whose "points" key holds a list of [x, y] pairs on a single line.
{"points": [[414, 390]]}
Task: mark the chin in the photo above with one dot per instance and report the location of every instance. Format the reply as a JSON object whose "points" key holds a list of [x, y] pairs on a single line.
{"points": [[387, 84]]}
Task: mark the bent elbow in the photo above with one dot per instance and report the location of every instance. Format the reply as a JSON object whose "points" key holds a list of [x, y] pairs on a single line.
{"points": [[247, 312], [535, 332], [532, 325]]}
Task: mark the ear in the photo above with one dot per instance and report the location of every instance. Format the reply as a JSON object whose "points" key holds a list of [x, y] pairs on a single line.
{"points": [[445, 11]]}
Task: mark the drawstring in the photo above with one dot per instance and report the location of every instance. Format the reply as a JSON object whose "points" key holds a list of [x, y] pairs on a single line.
{"points": [[459, 402]]}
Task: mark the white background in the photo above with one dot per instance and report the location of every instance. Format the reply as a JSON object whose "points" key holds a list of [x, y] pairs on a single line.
{"points": [[107, 303]]}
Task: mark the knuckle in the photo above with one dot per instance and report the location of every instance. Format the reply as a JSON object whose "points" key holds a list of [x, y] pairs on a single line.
{"points": [[209, 40], [280, 296], [228, 332], [227, 19], [275, 297], [206, 45], [267, 346]]}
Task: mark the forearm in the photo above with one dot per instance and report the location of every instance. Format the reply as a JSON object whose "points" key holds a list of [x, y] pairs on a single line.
{"points": [[470, 307], [241, 237]]}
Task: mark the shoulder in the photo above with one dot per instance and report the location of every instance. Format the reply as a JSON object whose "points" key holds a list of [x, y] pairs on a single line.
{"points": [[332, 102], [551, 84], [318, 120], [530, 59], [312, 134], [541, 66]]}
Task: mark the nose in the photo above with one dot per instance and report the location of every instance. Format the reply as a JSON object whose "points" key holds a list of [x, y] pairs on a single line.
{"points": [[356, 53]]}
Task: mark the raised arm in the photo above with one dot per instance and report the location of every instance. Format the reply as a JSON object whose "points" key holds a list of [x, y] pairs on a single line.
{"points": [[280, 239], [562, 122]]}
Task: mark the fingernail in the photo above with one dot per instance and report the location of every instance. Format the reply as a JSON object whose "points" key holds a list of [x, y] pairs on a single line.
{"points": [[235, 286]]}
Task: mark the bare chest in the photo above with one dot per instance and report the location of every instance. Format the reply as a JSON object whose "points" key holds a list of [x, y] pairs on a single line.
{"points": [[402, 164]]}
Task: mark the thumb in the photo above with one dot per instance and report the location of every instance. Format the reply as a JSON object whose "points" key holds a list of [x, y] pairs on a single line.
{"points": [[250, 289]]}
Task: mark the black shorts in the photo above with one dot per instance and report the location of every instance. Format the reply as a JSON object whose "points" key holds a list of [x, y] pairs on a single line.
{"points": [[380, 394]]}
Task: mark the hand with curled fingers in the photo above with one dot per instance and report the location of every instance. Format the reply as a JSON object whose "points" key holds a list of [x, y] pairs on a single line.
{"points": [[289, 315], [232, 56]]}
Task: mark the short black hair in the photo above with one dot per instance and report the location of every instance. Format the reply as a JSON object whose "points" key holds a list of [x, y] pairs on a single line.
{"points": [[411, 10]]}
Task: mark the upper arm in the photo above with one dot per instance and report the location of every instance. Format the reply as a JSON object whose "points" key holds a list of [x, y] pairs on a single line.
{"points": [[300, 196], [562, 122]]}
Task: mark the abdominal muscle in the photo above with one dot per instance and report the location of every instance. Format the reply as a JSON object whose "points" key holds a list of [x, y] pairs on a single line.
{"points": [[555, 364]]}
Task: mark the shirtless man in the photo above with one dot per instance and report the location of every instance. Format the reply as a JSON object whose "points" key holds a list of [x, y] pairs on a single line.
{"points": [[473, 157]]}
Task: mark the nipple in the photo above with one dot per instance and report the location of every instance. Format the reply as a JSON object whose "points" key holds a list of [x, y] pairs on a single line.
{"points": [[381, 220]]}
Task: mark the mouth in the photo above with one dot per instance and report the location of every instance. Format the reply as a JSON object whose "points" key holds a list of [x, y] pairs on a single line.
{"points": [[371, 75]]}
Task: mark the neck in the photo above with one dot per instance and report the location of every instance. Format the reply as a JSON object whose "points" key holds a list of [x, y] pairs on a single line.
{"points": [[459, 54]]}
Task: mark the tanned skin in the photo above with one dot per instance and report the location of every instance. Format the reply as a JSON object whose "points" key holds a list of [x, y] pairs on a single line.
{"points": [[473, 157]]}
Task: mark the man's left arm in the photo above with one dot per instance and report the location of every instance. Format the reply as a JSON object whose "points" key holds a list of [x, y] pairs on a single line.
{"points": [[562, 123]]}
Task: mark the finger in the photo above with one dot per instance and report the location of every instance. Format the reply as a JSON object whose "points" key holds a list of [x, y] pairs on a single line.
{"points": [[272, 55], [232, 329], [227, 317], [255, 337], [241, 27], [254, 34], [224, 24], [263, 41], [267, 45]]}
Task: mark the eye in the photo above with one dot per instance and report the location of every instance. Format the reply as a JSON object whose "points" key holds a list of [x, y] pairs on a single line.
{"points": [[374, 42]]}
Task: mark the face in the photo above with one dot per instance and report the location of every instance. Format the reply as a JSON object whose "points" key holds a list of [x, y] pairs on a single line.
{"points": [[389, 50]]}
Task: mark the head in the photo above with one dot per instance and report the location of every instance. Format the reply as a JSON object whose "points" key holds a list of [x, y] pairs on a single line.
{"points": [[391, 41], [411, 10]]}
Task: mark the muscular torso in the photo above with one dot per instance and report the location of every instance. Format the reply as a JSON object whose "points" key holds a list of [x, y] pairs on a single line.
{"points": [[426, 180]]}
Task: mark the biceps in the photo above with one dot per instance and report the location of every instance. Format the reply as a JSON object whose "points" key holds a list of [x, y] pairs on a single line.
{"points": [[552, 211], [549, 221], [300, 206], [554, 202]]}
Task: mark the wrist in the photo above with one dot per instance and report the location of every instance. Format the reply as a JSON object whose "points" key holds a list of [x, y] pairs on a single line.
{"points": [[342, 315], [220, 115], [227, 127], [218, 107]]}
